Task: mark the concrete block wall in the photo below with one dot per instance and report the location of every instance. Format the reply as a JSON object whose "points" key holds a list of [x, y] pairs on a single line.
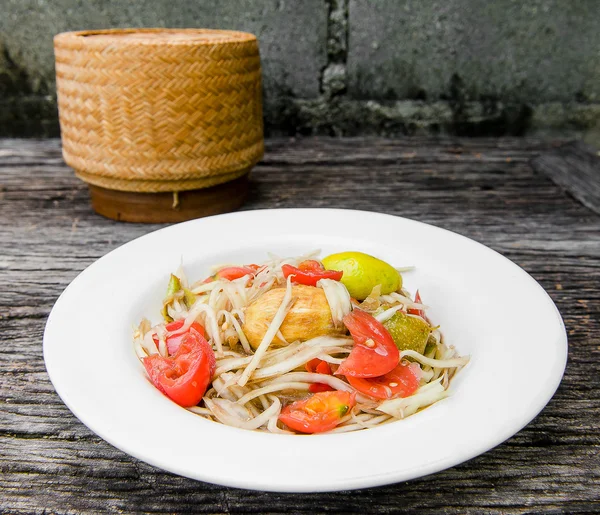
{"points": [[348, 67]]}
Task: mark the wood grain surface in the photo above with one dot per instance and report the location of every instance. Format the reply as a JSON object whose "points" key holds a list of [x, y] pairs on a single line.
{"points": [[485, 189], [575, 167]]}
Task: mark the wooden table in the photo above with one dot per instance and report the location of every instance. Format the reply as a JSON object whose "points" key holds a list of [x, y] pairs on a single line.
{"points": [[503, 193]]}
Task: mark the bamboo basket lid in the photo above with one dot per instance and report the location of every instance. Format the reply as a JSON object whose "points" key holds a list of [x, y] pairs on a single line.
{"points": [[155, 111]]}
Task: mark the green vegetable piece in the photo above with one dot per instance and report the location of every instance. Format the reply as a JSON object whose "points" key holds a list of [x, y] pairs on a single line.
{"points": [[172, 288], [363, 272], [431, 345], [189, 296], [408, 332], [174, 285], [165, 313], [343, 409]]}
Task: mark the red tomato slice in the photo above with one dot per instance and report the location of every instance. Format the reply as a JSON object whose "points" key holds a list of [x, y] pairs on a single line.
{"points": [[418, 312], [320, 412], [173, 341], [318, 366], [375, 352], [311, 265], [310, 272], [400, 382], [320, 387], [185, 376], [235, 272]]}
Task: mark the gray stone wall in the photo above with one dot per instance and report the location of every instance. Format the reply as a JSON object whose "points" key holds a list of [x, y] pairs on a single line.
{"points": [[347, 67]]}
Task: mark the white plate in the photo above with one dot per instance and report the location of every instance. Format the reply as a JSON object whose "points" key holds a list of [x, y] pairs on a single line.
{"points": [[487, 307]]}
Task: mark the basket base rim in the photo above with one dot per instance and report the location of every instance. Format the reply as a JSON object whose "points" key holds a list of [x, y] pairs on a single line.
{"points": [[169, 207]]}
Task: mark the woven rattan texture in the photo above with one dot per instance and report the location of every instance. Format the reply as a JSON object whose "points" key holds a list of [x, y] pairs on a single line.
{"points": [[142, 111]]}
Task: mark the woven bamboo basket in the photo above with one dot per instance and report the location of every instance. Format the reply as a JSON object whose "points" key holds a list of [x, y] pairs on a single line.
{"points": [[163, 124]]}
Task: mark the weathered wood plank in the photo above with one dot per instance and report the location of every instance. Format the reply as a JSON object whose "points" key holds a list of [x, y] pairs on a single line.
{"points": [[484, 189], [576, 168]]}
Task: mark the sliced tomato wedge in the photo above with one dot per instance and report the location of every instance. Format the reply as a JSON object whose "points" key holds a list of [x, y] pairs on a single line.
{"points": [[311, 265], [183, 377], [400, 382], [318, 366], [320, 412], [418, 312], [310, 272], [320, 387], [235, 272], [375, 352], [173, 341]]}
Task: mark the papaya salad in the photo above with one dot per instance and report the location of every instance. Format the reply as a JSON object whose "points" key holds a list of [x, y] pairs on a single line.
{"points": [[298, 345]]}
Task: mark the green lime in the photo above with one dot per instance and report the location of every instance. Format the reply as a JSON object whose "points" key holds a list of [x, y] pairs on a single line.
{"points": [[363, 272]]}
